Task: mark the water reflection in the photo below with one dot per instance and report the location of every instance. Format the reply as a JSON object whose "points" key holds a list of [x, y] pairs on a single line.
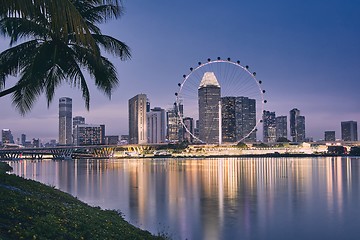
{"points": [[249, 198]]}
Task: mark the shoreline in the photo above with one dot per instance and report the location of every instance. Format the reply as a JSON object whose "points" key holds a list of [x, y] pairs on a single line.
{"points": [[33, 210]]}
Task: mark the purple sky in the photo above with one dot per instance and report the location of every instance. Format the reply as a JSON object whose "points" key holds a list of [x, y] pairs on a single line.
{"points": [[307, 54]]}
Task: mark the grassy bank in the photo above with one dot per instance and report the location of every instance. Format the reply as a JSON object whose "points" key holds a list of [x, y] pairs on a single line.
{"points": [[31, 210]]}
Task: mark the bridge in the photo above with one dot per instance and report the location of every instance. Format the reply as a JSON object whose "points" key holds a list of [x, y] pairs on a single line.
{"points": [[59, 152]]}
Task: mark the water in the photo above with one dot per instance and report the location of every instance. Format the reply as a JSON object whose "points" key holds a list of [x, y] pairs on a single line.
{"points": [[233, 198]]}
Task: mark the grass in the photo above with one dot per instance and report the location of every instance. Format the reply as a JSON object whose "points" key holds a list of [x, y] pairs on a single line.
{"points": [[31, 210]]}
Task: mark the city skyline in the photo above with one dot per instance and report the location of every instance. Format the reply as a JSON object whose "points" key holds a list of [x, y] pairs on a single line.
{"points": [[306, 54]]}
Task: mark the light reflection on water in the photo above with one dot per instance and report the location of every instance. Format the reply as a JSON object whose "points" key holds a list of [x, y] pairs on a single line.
{"points": [[249, 198]]}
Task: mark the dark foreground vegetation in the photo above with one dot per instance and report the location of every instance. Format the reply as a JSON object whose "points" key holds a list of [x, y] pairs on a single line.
{"points": [[31, 210]]}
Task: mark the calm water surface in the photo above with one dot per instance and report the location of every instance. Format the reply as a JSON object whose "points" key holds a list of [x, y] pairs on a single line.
{"points": [[234, 198]]}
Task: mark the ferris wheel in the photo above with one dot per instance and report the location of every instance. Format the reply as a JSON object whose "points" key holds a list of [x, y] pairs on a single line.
{"points": [[220, 101]]}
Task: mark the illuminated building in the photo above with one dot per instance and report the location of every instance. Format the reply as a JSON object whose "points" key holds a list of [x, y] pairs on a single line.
{"points": [[156, 126], [238, 119], [269, 127], [349, 131], [281, 127], [228, 120], [188, 135], [76, 121], [89, 134], [137, 119], [329, 136], [209, 101], [245, 114], [65, 118], [111, 140], [174, 126], [6, 136], [297, 126]]}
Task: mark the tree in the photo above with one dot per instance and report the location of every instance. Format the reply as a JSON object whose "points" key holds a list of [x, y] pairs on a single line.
{"points": [[58, 41]]}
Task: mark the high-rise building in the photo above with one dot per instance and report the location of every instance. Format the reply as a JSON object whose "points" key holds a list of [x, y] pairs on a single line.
{"points": [[209, 95], [349, 131], [269, 127], [188, 134], [300, 126], [173, 120], [281, 127], [156, 125], [329, 136], [245, 114], [76, 121], [89, 134], [65, 118], [6, 136], [238, 119], [228, 119], [137, 119], [23, 139], [297, 126], [112, 140]]}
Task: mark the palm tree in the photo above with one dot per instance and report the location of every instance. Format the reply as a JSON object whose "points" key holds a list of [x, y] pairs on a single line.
{"points": [[58, 41]]}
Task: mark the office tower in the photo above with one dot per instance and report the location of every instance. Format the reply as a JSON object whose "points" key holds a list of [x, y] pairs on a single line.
{"points": [[329, 136], [245, 114], [23, 139], [6, 136], [173, 120], [349, 131], [76, 121], [238, 119], [209, 95], [65, 118], [148, 105], [228, 120], [196, 130], [281, 128], [36, 142], [297, 126], [137, 119], [189, 124], [88, 134], [156, 125], [300, 126], [112, 140], [269, 127]]}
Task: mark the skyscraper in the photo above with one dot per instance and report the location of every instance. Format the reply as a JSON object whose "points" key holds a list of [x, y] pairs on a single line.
{"points": [[297, 126], [89, 134], [156, 126], [245, 114], [238, 118], [137, 119], [349, 131], [228, 120], [174, 126], [281, 127], [269, 126], [209, 93], [6, 136], [76, 121], [188, 135], [65, 118], [329, 136]]}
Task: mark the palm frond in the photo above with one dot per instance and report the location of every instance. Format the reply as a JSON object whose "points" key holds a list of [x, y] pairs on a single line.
{"points": [[18, 28], [113, 46], [14, 59]]}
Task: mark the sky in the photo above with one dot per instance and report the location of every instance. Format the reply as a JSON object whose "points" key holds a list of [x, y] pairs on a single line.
{"points": [[307, 54]]}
